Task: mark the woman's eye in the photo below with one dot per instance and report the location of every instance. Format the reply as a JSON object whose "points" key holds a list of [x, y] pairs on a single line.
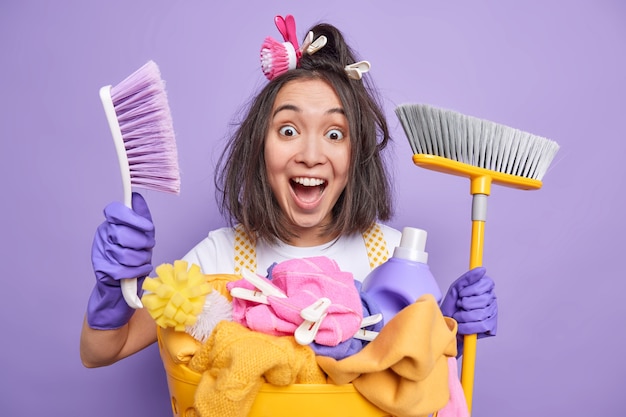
{"points": [[334, 134], [288, 131]]}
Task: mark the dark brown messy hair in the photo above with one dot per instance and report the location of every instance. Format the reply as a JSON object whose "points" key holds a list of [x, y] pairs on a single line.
{"points": [[242, 186]]}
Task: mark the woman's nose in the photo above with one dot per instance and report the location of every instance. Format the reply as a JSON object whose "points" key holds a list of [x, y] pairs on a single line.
{"points": [[312, 151]]}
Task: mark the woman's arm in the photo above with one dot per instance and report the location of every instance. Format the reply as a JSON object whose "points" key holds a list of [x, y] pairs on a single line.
{"points": [[105, 347], [122, 248]]}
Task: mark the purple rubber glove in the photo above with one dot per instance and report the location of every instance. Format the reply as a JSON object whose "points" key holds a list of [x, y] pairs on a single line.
{"points": [[122, 248], [471, 301], [353, 345]]}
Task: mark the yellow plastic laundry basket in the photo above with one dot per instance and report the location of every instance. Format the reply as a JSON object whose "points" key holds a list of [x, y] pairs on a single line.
{"points": [[314, 400]]}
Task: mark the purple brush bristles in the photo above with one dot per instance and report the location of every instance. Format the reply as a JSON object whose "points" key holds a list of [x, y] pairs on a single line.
{"points": [[141, 125], [145, 123]]}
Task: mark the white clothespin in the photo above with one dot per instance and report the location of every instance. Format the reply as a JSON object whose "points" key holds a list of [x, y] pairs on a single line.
{"points": [[250, 295], [356, 70], [310, 46], [264, 286], [308, 39], [316, 45], [313, 316], [368, 335]]}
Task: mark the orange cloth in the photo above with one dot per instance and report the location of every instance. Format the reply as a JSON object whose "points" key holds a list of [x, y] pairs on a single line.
{"points": [[235, 362], [404, 371]]}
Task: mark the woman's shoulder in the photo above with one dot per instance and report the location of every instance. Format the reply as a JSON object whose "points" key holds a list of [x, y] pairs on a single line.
{"points": [[218, 237], [392, 235], [214, 253], [223, 233]]}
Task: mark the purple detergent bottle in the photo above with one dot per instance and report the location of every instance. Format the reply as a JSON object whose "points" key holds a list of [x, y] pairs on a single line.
{"points": [[404, 277]]}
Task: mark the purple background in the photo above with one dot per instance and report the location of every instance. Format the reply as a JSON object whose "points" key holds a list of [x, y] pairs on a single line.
{"points": [[553, 68]]}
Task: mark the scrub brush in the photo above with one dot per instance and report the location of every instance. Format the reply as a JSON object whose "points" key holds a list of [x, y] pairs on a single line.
{"points": [[139, 117], [177, 294], [486, 153], [279, 57]]}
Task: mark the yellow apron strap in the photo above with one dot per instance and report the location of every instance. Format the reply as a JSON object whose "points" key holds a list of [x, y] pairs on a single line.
{"points": [[376, 245], [245, 254]]}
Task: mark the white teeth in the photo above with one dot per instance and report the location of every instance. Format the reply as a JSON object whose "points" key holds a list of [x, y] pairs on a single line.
{"points": [[308, 182]]}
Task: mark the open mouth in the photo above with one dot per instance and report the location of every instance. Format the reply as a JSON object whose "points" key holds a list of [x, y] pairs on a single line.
{"points": [[306, 189]]}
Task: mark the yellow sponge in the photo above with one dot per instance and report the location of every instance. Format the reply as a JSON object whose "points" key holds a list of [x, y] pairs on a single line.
{"points": [[176, 296]]}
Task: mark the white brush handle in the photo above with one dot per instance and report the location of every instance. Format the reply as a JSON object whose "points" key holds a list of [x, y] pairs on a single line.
{"points": [[118, 140], [128, 286], [129, 291]]}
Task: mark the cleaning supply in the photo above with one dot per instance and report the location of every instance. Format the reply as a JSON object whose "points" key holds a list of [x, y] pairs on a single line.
{"points": [[139, 118], [404, 277], [279, 57], [176, 295], [485, 152]]}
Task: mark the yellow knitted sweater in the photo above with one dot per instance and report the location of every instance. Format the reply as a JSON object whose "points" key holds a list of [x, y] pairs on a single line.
{"points": [[235, 362]]}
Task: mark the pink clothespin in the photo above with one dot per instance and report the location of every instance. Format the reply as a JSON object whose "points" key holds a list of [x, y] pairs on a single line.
{"points": [[287, 27]]}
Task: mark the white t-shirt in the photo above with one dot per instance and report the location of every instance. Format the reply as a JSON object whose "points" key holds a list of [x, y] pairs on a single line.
{"points": [[215, 253]]}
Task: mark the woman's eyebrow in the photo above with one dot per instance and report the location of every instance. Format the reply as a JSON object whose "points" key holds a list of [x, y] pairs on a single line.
{"points": [[338, 110], [335, 110], [286, 107]]}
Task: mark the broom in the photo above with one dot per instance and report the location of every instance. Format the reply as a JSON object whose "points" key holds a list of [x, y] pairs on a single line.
{"points": [[486, 153], [139, 117]]}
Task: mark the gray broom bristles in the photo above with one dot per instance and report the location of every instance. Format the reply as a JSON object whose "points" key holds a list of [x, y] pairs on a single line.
{"points": [[475, 141]]}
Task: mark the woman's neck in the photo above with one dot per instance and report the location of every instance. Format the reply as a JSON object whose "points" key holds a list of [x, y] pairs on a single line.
{"points": [[308, 237]]}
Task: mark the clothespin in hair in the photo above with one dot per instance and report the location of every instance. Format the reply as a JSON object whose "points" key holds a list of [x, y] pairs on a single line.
{"points": [[356, 70], [310, 46], [306, 43], [287, 27]]}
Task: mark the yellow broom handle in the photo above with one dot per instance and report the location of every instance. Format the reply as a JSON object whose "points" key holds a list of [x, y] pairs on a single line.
{"points": [[480, 188], [469, 341]]}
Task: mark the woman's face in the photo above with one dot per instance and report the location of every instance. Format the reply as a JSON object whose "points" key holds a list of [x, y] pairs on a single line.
{"points": [[307, 156]]}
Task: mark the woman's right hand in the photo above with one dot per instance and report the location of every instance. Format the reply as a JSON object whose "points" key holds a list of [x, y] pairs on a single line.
{"points": [[122, 248]]}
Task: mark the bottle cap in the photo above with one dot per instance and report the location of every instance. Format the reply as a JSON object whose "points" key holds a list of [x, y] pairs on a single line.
{"points": [[412, 245]]}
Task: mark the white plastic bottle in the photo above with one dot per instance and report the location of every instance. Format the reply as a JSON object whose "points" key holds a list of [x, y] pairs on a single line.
{"points": [[404, 277]]}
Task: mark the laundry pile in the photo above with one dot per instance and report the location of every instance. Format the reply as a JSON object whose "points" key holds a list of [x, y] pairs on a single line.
{"points": [[309, 323]]}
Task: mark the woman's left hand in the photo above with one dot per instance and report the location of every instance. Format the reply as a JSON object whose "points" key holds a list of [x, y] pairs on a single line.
{"points": [[471, 301]]}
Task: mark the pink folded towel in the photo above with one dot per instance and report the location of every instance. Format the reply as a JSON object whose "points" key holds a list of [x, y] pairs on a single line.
{"points": [[457, 405], [304, 281]]}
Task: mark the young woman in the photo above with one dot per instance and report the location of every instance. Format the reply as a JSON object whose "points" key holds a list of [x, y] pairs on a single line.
{"points": [[303, 176]]}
